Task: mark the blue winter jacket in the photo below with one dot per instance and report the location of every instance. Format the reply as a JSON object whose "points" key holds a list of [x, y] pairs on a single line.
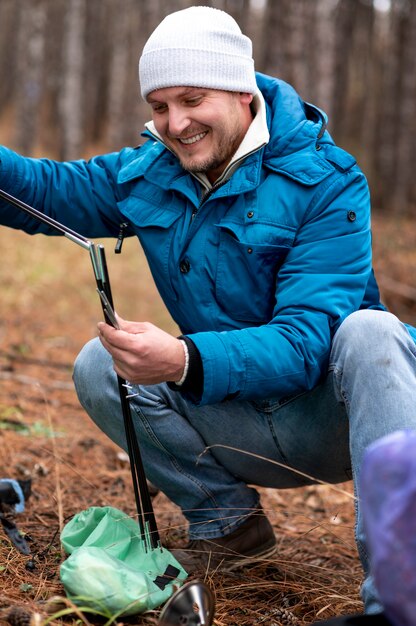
{"points": [[266, 270]]}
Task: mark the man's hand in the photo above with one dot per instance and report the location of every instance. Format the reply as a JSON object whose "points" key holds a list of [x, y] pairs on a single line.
{"points": [[143, 353]]}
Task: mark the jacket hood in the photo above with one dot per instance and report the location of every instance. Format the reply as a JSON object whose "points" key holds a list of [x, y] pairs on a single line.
{"points": [[293, 123], [297, 134]]}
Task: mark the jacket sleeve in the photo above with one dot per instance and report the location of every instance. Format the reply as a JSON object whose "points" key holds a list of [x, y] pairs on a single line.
{"points": [[321, 281], [80, 194]]}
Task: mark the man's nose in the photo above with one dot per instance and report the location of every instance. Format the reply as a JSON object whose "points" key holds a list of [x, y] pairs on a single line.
{"points": [[178, 120]]}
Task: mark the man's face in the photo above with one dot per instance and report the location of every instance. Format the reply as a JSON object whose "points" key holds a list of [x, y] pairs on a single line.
{"points": [[203, 127]]}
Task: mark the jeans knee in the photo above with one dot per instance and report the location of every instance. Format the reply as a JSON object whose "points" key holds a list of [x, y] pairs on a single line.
{"points": [[366, 334], [89, 369], [82, 363]]}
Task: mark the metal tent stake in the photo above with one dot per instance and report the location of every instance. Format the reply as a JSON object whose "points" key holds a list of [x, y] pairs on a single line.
{"points": [[146, 517]]}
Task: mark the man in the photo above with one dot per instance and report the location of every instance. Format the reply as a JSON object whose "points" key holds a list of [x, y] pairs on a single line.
{"points": [[257, 230]]}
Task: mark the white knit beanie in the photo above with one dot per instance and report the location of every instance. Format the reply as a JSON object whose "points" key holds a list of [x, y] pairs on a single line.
{"points": [[197, 47]]}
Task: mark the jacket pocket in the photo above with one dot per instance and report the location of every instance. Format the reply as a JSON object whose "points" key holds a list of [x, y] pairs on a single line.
{"points": [[248, 261], [149, 206]]}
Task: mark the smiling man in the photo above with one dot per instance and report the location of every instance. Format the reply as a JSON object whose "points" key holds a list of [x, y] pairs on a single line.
{"points": [[256, 227]]}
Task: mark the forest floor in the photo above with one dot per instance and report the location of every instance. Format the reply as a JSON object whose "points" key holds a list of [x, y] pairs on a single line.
{"points": [[49, 309]]}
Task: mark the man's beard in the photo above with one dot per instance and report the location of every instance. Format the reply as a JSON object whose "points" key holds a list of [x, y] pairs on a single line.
{"points": [[226, 148]]}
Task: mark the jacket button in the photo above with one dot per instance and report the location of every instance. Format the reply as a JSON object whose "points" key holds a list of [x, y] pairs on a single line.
{"points": [[351, 216], [249, 250], [250, 214], [184, 266]]}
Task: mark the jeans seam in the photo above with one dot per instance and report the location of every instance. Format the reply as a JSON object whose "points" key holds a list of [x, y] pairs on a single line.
{"points": [[339, 391], [268, 415], [275, 439], [363, 554], [361, 547]]}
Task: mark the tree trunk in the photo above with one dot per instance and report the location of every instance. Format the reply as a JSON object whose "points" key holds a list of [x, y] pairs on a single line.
{"points": [[30, 56], [406, 114], [270, 52], [98, 47], [71, 103], [385, 155], [325, 57], [345, 20], [9, 28]]}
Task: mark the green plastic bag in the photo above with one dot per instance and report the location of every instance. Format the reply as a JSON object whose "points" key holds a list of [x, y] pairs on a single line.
{"points": [[111, 568]]}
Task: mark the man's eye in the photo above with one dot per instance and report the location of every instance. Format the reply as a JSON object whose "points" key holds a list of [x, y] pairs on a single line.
{"points": [[193, 102], [160, 108]]}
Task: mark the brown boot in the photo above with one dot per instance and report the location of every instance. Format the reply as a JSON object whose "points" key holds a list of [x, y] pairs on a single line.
{"points": [[250, 543]]}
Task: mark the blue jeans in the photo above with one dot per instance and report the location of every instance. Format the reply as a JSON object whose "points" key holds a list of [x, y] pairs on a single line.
{"points": [[369, 391]]}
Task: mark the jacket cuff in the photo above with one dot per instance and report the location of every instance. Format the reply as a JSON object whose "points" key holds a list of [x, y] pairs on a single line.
{"points": [[194, 379]]}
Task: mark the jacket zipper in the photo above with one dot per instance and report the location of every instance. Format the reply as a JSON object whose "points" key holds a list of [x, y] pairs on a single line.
{"points": [[206, 197], [217, 185]]}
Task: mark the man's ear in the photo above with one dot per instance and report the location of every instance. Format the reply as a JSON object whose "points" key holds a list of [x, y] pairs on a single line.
{"points": [[246, 98]]}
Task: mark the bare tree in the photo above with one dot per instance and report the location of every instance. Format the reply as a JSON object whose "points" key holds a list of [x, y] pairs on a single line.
{"points": [[118, 75], [371, 50], [296, 57], [362, 74], [52, 76], [345, 21], [31, 33], [71, 101], [98, 42], [405, 140], [387, 111], [270, 50], [126, 110], [8, 30], [324, 61]]}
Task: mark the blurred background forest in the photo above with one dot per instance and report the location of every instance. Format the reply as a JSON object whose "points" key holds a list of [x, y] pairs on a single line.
{"points": [[69, 83], [69, 89]]}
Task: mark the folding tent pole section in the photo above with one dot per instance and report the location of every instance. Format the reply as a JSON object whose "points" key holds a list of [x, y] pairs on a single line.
{"points": [[68, 232], [147, 520], [146, 516]]}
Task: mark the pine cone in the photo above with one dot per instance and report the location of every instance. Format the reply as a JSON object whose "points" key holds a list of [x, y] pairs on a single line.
{"points": [[18, 616], [285, 617]]}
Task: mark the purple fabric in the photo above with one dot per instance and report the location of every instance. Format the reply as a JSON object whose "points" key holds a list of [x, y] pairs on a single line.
{"points": [[388, 493]]}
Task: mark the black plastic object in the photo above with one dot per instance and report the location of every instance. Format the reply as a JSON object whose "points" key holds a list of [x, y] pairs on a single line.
{"points": [[14, 535], [9, 495], [11, 498], [192, 605]]}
